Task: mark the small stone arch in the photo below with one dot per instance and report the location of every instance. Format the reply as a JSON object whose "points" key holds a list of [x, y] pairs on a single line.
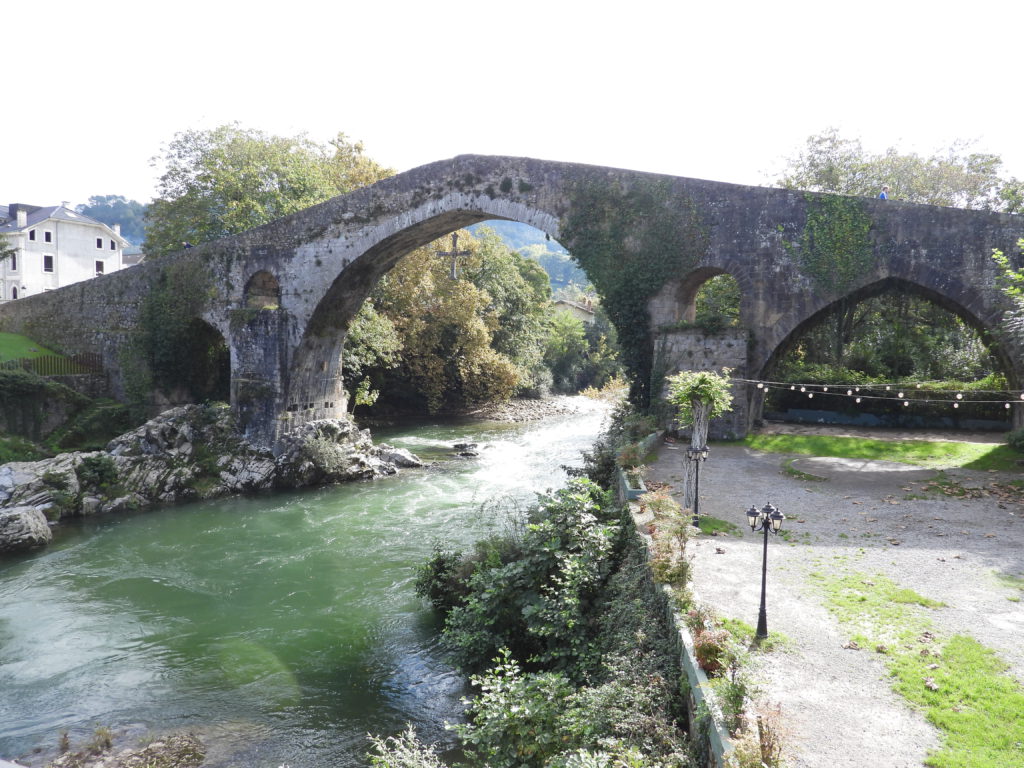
{"points": [[209, 371], [262, 291]]}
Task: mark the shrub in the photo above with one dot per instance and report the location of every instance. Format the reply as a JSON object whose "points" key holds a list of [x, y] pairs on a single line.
{"points": [[537, 604], [437, 580], [97, 472], [1016, 440], [402, 751], [514, 720], [711, 647]]}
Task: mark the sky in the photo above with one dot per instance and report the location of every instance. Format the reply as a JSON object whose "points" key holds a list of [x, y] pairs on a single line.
{"points": [[724, 90]]}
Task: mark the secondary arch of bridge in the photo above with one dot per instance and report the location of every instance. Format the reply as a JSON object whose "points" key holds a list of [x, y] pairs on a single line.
{"points": [[287, 359]]}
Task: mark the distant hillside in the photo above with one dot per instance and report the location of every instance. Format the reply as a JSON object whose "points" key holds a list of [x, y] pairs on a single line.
{"points": [[536, 245]]}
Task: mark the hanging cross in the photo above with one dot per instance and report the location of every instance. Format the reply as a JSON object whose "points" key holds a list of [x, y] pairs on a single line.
{"points": [[454, 253]]}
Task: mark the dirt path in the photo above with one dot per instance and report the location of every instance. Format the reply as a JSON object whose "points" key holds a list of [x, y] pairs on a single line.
{"points": [[868, 517]]}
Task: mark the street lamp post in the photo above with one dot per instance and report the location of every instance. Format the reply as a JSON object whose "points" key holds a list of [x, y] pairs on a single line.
{"points": [[768, 518], [697, 456]]}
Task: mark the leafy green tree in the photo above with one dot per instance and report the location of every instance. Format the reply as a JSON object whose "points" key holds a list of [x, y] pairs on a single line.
{"points": [[446, 328], [230, 179], [566, 349], [1012, 284], [7, 250], [954, 177], [519, 293], [372, 347], [718, 303], [117, 209]]}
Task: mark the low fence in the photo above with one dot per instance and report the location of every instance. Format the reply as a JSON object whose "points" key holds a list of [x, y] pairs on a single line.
{"points": [[57, 365]]}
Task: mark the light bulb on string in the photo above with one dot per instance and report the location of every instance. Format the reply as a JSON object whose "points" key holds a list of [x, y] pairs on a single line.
{"points": [[803, 389], [849, 392], [959, 396], [856, 389], [810, 395], [824, 389], [793, 386], [887, 387], [956, 405], [918, 386], [1022, 395], [906, 402], [1007, 405], [900, 394], [858, 400]]}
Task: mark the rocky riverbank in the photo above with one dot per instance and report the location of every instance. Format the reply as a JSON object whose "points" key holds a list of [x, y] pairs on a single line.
{"points": [[188, 453], [525, 409]]}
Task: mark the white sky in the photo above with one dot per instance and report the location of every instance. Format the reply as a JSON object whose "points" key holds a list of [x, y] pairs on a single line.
{"points": [[718, 90]]}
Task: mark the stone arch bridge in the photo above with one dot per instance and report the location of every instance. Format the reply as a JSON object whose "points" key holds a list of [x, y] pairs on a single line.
{"points": [[282, 295]]}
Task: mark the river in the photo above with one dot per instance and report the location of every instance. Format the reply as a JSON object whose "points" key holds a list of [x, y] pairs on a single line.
{"points": [[282, 628]]}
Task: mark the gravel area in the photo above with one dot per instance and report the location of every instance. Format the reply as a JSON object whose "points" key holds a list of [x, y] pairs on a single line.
{"points": [[838, 708]]}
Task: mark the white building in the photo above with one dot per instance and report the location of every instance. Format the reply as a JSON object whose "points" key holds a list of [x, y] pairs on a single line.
{"points": [[54, 247]]}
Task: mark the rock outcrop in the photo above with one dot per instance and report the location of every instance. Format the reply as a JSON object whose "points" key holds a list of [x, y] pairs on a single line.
{"points": [[187, 453], [23, 528]]}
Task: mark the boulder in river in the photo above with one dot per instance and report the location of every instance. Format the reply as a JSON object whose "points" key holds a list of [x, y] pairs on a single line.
{"points": [[23, 528]]}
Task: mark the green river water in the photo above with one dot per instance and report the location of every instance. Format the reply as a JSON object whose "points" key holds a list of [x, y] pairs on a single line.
{"points": [[282, 629]]}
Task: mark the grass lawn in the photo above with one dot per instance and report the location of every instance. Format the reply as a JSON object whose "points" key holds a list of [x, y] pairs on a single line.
{"points": [[934, 455], [960, 685], [14, 346]]}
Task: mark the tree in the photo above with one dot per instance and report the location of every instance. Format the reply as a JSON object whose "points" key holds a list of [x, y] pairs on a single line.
{"points": [[372, 347], [454, 348], [1011, 281], [229, 179], [116, 209], [566, 349], [7, 250], [953, 177]]}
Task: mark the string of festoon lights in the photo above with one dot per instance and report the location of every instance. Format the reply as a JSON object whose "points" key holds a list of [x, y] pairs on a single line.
{"points": [[904, 392]]}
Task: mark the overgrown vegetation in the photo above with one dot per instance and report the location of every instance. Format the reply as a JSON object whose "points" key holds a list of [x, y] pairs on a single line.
{"points": [[172, 349], [631, 240], [575, 665], [834, 248]]}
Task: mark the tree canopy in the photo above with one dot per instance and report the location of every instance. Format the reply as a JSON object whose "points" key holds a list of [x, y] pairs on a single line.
{"points": [[117, 209], [955, 177], [458, 343], [6, 249], [230, 179]]}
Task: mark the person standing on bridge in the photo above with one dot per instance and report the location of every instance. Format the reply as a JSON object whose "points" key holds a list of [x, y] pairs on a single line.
{"points": [[884, 194]]}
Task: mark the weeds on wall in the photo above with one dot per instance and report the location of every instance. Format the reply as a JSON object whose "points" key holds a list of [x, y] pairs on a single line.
{"points": [[631, 239], [835, 247]]}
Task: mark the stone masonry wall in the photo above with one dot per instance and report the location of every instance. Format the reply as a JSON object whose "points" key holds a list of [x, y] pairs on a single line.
{"points": [[694, 350]]}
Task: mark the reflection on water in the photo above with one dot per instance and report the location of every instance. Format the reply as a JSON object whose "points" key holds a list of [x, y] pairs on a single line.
{"points": [[282, 628]]}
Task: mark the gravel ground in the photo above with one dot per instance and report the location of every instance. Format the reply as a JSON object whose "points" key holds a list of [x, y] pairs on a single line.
{"points": [[837, 705]]}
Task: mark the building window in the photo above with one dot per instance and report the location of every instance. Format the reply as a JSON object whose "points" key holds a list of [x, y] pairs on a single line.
{"points": [[31, 234], [14, 293], [47, 263], [99, 242], [113, 245], [47, 237], [14, 262], [99, 267]]}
